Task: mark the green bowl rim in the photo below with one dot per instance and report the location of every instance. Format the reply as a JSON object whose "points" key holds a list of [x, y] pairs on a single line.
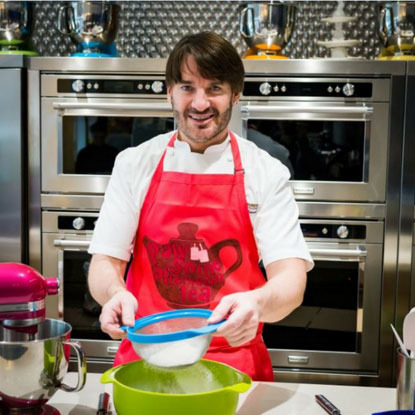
{"points": [[249, 382]]}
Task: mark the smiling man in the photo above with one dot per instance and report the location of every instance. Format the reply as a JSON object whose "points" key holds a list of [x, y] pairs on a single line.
{"points": [[197, 211], [202, 107]]}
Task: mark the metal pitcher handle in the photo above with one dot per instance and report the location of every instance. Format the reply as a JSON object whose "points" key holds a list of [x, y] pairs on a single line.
{"points": [[25, 16], [243, 18], [108, 11], [382, 16], [81, 360], [70, 27]]}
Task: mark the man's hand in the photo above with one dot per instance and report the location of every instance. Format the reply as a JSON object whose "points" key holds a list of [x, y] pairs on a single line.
{"points": [[273, 301], [118, 311], [243, 317]]}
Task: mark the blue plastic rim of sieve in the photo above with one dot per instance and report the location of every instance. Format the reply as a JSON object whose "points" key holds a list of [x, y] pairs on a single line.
{"points": [[177, 335]]}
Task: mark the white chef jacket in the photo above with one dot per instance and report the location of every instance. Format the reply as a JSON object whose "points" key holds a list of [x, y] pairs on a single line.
{"points": [[272, 208]]}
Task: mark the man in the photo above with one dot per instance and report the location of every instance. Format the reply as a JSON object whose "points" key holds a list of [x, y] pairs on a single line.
{"points": [[195, 206]]}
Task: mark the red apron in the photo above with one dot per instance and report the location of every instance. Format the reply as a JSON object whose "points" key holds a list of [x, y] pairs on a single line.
{"points": [[195, 244]]}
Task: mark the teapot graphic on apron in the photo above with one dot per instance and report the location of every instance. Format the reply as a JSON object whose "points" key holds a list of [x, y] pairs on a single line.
{"points": [[186, 272]]}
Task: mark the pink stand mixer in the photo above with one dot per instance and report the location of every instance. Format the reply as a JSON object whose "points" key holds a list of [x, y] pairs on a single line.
{"points": [[34, 350], [22, 296]]}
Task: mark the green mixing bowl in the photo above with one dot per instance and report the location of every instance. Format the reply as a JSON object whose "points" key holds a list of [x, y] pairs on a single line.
{"points": [[206, 386]]}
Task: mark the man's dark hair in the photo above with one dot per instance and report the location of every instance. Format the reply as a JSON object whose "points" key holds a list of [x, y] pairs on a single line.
{"points": [[215, 58]]}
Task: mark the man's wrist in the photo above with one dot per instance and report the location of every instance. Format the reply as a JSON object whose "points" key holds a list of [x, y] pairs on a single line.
{"points": [[114, 290]]}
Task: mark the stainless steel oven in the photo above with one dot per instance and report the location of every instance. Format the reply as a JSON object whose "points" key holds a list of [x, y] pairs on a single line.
{"points": [[65, 240], [353, 137], [86, 120], [331, 132], [337, 327]]}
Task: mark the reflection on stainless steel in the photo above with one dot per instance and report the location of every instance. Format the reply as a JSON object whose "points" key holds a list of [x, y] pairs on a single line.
{"points": [[32, 371]]}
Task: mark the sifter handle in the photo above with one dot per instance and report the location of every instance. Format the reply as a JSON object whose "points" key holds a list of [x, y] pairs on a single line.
{"points": [[210, 328]]}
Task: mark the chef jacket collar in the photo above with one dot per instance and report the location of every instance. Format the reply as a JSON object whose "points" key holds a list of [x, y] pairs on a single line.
{"points": [[215, 148]]}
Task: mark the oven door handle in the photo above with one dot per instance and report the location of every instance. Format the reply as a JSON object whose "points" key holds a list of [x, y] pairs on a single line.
{"points": [[343, 253], [161, 106], [305, 108], [64, 243]]}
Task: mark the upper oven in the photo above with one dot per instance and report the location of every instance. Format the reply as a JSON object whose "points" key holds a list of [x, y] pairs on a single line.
{"points": [[331, 133], [86, 120]]}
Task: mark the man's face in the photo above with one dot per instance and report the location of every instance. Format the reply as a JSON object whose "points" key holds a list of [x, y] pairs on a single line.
{"points": [[202, 107]]}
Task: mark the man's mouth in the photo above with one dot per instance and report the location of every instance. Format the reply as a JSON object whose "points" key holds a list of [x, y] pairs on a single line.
{"points": [[201, 118]]}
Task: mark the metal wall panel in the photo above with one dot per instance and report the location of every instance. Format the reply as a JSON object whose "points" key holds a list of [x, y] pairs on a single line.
{"points": [[12, 168]]}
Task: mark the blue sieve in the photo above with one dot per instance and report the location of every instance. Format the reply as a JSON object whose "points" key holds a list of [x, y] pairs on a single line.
{"points": [[135, 337]]}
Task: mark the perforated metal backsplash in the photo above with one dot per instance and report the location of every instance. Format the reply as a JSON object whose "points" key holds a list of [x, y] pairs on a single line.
{"points": [[150, 29]]}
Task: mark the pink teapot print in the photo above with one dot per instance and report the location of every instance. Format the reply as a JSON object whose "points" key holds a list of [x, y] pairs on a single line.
{"points": [[186, 272]]}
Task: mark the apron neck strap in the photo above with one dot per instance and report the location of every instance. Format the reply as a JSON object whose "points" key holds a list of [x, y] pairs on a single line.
{"points": [[236, 154]]}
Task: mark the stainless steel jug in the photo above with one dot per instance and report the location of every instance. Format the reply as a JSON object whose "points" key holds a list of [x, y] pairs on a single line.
{"points": [[33, 370], [405, 388], [267, 26], [397, 28], [91, 25], [15, 24]]}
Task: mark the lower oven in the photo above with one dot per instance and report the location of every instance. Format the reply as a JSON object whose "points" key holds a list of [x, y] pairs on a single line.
{"points": [[337, 327], [65, 240]]}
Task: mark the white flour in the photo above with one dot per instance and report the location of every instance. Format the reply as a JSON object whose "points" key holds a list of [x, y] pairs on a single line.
{"points": [[177, 353], [198, 378]]}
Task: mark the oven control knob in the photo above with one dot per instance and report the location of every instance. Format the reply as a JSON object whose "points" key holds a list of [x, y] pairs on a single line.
{"points": [[348, 90], [343, 232], [78, 223], [265, 88], [78, 85], [157, 87]]}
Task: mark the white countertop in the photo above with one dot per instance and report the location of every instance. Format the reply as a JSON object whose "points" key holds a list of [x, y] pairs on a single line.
{"points": [[264, 398]]}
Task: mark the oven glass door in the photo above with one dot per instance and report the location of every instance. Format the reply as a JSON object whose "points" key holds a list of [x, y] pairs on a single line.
{"points": [[324, 146], [66, 256], [337, 325], [81, 139]]}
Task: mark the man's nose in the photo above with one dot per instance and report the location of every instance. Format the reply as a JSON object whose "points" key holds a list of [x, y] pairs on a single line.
{"points": [[200, 100]]}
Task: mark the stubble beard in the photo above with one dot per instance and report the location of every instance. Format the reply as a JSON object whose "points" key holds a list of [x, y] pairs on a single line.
{"points": [[191, 133]]}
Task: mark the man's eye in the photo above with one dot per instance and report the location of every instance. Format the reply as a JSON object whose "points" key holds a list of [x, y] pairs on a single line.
{"points": [[186, 88], [216, 88]]}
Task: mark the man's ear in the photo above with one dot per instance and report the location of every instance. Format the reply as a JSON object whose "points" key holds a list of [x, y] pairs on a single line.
{"points": [[169, 94], [236, 97]]}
